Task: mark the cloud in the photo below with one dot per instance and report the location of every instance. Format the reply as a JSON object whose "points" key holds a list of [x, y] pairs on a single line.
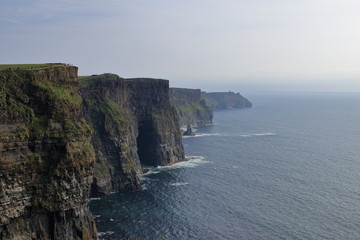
{"points": [[299, 40], [10, 20]]}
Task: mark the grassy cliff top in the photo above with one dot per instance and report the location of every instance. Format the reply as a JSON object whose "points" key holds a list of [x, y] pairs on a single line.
{"points": [[29, 66], [93, 79]]}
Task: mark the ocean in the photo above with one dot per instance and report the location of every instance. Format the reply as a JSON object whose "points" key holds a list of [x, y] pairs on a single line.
{"points": [[288, 168]]}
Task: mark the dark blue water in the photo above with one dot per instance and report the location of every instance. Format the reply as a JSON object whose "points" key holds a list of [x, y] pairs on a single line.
{"points": [[289, 168]]}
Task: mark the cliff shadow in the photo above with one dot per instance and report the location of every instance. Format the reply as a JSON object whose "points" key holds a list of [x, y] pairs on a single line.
{"points": [[147, 143]]}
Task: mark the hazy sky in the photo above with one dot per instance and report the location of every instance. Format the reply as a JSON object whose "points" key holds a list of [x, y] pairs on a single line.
{"points": [[210, 44]]}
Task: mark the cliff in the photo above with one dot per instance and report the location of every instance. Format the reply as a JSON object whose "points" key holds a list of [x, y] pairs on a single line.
{"points": [[225, 100], [46, 157], [190, 107], [134, 125]]}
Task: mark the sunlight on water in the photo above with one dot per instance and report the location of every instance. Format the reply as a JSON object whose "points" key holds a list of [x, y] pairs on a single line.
{"points": [[287, 169]]}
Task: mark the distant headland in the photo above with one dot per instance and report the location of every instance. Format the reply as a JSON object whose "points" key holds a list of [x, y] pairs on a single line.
{"points": [[64, 138]]}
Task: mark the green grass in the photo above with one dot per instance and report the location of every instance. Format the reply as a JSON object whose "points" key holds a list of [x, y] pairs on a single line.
{"points": [[210, 101], [28, 66], [67, 96], [192, 109], [113, 110], [89, 80], [102, 167], [38, 126], [86, 81], [83, 77]]}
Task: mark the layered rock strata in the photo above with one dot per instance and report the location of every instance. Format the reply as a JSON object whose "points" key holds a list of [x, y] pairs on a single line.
{"points": [[191, 108], [46, 157], [134, 125]]}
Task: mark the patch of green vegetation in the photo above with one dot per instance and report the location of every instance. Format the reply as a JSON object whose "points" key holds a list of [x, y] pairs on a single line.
{"points": [[113, 110], [28, 66], [83, 77], [16, 110], [68, 129], [21, 89], [184, 109], [72, 128], [38, 126], [34, 159], [190, 108], [21, 133], [114, 115], [210, 101], [127, 163], [86, 81], [194, 109], [59, 95], [79, 154], [13, 99], [226, 100], [102, 167]]}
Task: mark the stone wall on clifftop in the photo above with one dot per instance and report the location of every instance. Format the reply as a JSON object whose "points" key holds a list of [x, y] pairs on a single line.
{"points": [[46, 157], [134, 125], [191, 108]]}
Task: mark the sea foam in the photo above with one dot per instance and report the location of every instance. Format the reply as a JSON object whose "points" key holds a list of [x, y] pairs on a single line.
{"points": [[241, 135], [202, 135], [95, 199], [179, 184], [193, 161]]}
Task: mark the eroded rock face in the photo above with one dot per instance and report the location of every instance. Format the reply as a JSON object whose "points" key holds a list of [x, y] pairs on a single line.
{"points": [[134, 124], [191, 108], [46, 157], [157, 122]]}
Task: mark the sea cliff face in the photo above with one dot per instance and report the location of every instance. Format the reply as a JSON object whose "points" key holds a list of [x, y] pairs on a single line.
{"points": [[191, 108], [134, 125], [225, 100], [46, 157]]}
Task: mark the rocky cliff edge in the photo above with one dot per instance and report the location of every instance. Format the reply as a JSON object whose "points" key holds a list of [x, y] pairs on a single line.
{"points": [[46, 157], [191, 108], [135, 126]]}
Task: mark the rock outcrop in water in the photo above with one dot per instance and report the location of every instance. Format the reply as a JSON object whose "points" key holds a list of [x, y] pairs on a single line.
{"points": [[189, 131], [48, 165], [46, 157], [225, 100], [134, 125], [191, 108]]}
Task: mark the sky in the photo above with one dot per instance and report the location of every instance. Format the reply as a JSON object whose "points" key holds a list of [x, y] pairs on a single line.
{"points": [[242, 45]]}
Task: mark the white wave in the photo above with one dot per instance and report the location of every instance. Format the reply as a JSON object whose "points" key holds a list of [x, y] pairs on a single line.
{"points": [[143, 186], [151, 171], [264, 134], [258, 134], [178, 184], [95, 199], [193, 161], [108, 233], [202, 135]]}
